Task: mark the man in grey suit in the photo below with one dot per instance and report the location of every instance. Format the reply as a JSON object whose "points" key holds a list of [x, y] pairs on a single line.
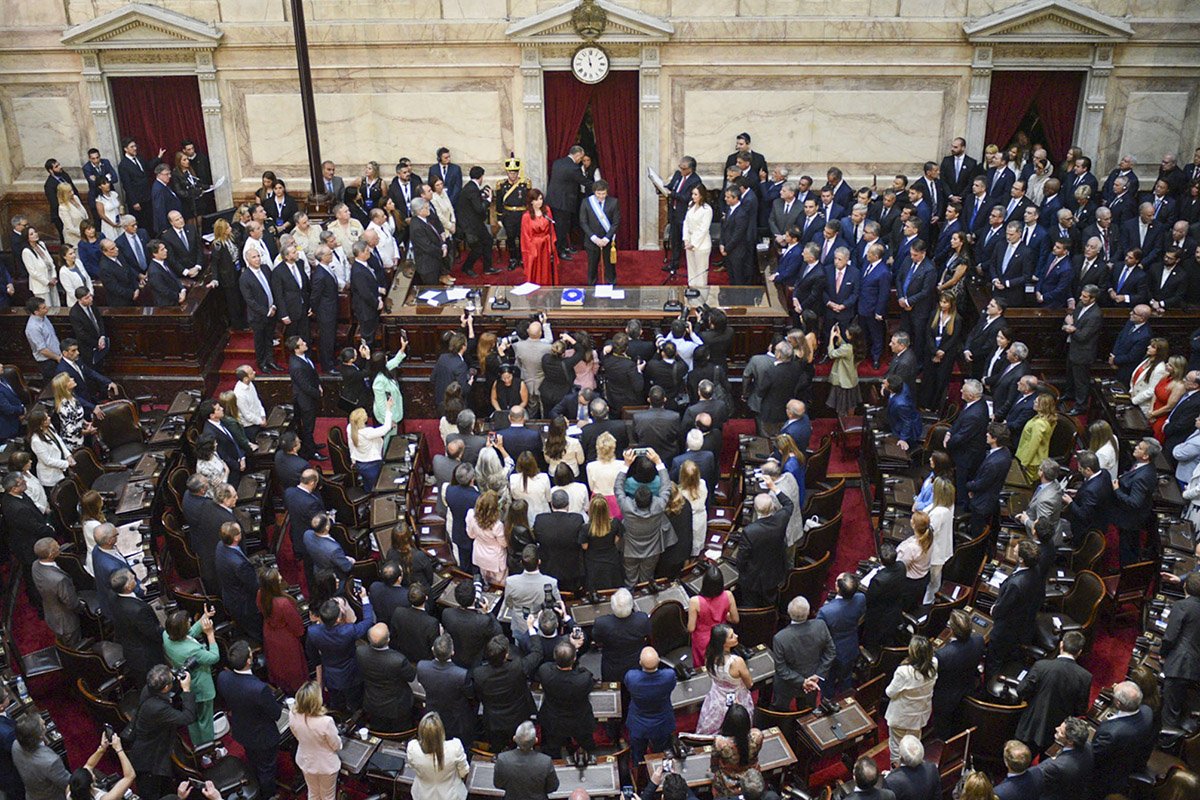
{"points": [[1083, 327], [647, 530], [804, 652], [1047, 499], [525, 773], [60, 603], [752, 376], [525, 593], [331, 183], [448, 690], [41, 769], [473, 443], [444, 464], [784, 212], [658, 427]]}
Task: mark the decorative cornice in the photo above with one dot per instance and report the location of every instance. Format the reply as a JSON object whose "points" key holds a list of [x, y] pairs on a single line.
{"points": [[555, 25], [1033, 21], [138, 26]]}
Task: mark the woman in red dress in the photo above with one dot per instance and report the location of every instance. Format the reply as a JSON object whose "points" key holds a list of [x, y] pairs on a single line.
{"points": [[538, 241], [1167, 394], [283, 633]]}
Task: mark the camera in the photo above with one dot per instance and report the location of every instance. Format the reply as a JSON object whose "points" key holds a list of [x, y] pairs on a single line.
{"points": [[511, 339], [185, 668]]}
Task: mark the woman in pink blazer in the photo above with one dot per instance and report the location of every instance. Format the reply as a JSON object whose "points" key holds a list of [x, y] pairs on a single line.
{"points": [[318, 743]]}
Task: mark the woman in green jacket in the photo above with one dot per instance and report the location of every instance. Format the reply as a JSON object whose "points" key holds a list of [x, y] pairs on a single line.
{"points": [[179, 644], [385, 383]]}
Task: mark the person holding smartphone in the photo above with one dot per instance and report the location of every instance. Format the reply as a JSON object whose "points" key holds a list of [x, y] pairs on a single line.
{"points": [[83, 780]]}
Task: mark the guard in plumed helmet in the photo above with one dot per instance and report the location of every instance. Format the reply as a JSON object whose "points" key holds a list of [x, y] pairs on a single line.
{"points": [[510, 199]]}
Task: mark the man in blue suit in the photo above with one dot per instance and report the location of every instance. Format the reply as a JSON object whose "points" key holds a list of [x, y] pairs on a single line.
{"points": [[96, 169], [1000, 179], [460, 497], [903, 243], [811, 222], [1034, 237], [1130, 347], [798, 425], [229, 451], [842, 615], [106, 561], [11, 410], [875, 287], [1066, 776], [133, 245], [841, 290], [829, 208], [163, 198], [253, 714], [791, 261], [1144, 233], [1123, 742], [958, 673], [737, 237], [1021, 410], [450, 173], [238, 582], [517, 438], [165, 287], [1051, 204], [1130, 285], [302, 502], [904, 419], [917, 292], [332, 645], [921, 209], [1011, 267], [1015, 611], [1133, 494], [651, 718], [324, 551], [951, 226], [1021, 783], [679, 197], [695, 451], [1088, 508], [985, 484], [1054, 287], [840, 191]]}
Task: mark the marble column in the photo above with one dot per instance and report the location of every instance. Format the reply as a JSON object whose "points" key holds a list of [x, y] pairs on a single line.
{"points": [[102, 114], [977, 100], [533, 103], [214, 129], [649, 125], [1095, 100]]}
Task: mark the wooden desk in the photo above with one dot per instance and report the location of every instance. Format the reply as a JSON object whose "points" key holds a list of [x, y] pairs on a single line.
{"points": [[827, 735], [693, 691], [696, 769], [601, 779], [585, 614]]}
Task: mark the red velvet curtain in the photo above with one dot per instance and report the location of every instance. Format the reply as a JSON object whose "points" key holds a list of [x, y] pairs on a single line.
{"points": [[1057, 104], [566, 101], [1011, 97], [1056, 96], [615, 115], [159, 113]]}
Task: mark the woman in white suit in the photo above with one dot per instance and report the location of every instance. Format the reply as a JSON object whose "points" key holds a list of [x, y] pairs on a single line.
{"points": [[439, 766], [72, 275], [911, 694], [39, 266], [697, 243]]}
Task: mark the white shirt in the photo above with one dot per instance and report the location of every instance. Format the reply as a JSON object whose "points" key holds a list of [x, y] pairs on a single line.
{"points": [[260, 246], [250, 407], [370, 441], [387, 248]]}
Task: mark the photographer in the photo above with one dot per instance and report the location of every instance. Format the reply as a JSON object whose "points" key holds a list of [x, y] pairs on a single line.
{"points": [[672, 785], [83, 780], [185, 654], [154, 726]]}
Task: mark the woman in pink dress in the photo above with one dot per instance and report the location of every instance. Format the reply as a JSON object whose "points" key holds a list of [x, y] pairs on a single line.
{"points": [[486, 528], [714, 606], [538, 241]]}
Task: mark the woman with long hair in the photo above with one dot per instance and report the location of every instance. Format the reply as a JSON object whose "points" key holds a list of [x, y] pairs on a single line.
{"points": [[600, 537], [180, 645], [695, 491], [941, 526], [792, 459], [517, 534], [539, 241], [1034, 446], [954, 271], [735, 750], [1167, 394], [233, 421], [83, 780], [265, 187], [581, 364], [602, 473], [697, 241], [366, 444], [209, 464], [327, 585], [729, 676], [714, 606], [69, 416], [415, 562], [91, 516], [530, 484], [226, 257], [914, 553], [1103, 443], [555, 383], [940, 466], [560, 448], [283, 632], [108, 209], [996, 361], [72, 274], [491, 472], [39, 266], [445, 212], [911, 694], [71, 212], [507, 391], [977, 786], [844, 394], [452, 405], [188, 187], [89, 247], [439, 764], [53, 455], [943, 343], [385, 385], [318, 742], [371, 187], [1147, 374], [486, 530], [674, 556], [280, 208]]}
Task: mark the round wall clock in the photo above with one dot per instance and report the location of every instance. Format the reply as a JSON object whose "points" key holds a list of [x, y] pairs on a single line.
{"points": [[590, 63]]}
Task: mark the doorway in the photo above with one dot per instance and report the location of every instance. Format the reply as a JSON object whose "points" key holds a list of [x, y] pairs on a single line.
{"points": [[1030, 108], [603, 119], [159, 113]]}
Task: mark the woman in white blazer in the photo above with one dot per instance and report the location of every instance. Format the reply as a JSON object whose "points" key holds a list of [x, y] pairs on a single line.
{"points": [[697, 243], [72, 275], [39, 266], [440, 766], [1147, 374], [53, 456], [911, 694]]}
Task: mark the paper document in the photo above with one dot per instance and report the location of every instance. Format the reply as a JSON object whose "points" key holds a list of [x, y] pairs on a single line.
{"points": [[866, 581], [220, 182], [429, 295], [457, 293], [604, 290], [617, 294], [657, 181], [997, 578], [525, 288]]}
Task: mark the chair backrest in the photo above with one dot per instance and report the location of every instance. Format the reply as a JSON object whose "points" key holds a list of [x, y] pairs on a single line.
{"points": [[104, 709], [1180, 783], [87, 469], [807, 581], [870, 693], [337, 436], [820, 540], [784, 720], [177, 479], [939, 614], [1135, 580], [120, 424], [757, 625], [668, 627], [966, 561], [342, 465], [72, 564], [64, 505], [994, 725], [1089, 552], [185, 562], [86, 664], [954, 751], [816, 466], [1082, 603], [826, 500]]}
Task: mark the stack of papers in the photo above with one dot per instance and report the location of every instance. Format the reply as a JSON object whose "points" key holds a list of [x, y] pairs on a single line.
{"points": [[606, 290], [457, 293], [431, 296], [525, 288]]}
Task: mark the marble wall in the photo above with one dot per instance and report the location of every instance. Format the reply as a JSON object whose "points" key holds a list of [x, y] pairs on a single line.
{"points": [[40, 122], [1153, 125]]}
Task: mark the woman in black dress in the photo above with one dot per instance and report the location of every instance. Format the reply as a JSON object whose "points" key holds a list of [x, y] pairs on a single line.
{"points": [[943, 344], [555, 384], [516, 530], [507, 391], [679, 512], [415, 562], [600, 538]]}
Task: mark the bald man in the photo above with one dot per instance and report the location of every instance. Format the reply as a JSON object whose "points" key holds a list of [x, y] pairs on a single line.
{"points": [[651, 717], [387, 697]]}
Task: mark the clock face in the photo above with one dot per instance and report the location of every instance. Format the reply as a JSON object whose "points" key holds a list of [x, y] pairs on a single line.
{"points": [[590, 64]]}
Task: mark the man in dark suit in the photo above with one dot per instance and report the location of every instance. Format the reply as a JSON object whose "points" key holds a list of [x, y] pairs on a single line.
{"points": [[1004, 383], [323, 300], [567, 179], [324, 552], [1143, 233], [804, 652], [958, 169], [966, 442], [1181, 421], [428, 251], [1016, 607], [1123, 743], [163, 199], [958, 673], [658, 427], [106, 562], [776, 389], [135, 627], [303, 502], [228, 449], [679, 196], [885, 599], [523, 773], [916, 292], [56, 176], [469, 625], [96, 169], [1021, 783], [757, 162], [599, 411], [557, 533], [904, 364], [867, 783], [365, 302], [1054, 688], [1083, 340], [156, 724], [473, 210], [1130, 347], [237, 578], [1000, 179], [136, 175], [288, 465], [185, 256], [388, 593], [91, 388], [1088, 508], [651, 718], [1054, 287], [841, 291], [205, 518], [165, 287], [986, 482], [24, 525], [502, 686], [306, 394], [981, 339], [290, 287], [1130, 283], [450, 173], [1089, 268], [1181, 654], [253, 714], [387, 696], [737, 239], [914, 778], [599, 216], [566, 711], [873, 295], [87, 325], [1011, 267], [448, 690], [331, 645], [620, 636], [843, 615], [785, 213], [1132, 496], [762, 557], [517, 438], [121, 285], [1169, 281], [413, 630]]}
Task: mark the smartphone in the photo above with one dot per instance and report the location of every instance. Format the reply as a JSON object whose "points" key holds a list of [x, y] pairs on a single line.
{"points": [[403, 333], [358, 586], [108, 732], [668, 766], [196, 784], [577, 632]]}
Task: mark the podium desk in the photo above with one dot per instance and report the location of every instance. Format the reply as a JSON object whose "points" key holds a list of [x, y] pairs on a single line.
{"points": [[601, 779], [696, 769], [827, 735]]}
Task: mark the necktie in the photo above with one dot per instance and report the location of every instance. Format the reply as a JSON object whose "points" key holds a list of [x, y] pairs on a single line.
{"points": [[1011, 205], [1025, 240], [296, 275], [995, 179], [825, 250], [1124, 275], [183, 236], [137, 249], [957, 168], [329, 186], [1008, 254], [837, 284], [258, 273], [786, 208], [932, 193], [857, 233], [1157, 205], [136, 163]]}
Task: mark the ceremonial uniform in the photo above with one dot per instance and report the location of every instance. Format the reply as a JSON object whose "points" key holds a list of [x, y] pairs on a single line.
{"points": [[511, 201]]}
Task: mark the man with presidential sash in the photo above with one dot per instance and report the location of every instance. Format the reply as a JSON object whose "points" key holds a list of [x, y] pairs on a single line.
{"points": [[599, 217]]}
